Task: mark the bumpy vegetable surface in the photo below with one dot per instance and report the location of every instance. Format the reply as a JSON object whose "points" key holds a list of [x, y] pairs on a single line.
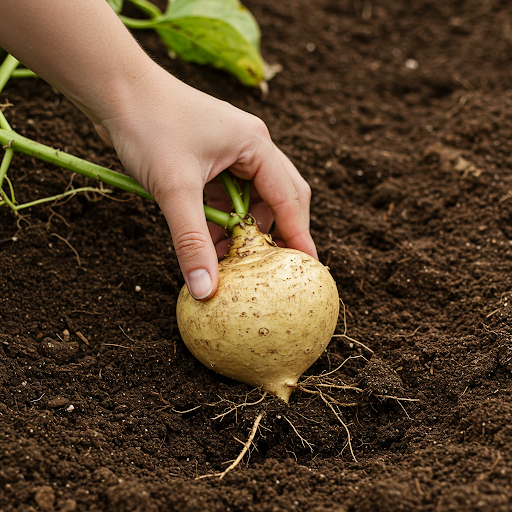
{"points": [[273, 315]]}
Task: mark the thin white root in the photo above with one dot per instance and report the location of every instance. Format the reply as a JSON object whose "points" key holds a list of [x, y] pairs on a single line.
{"points": [[349, 437], [399, 401], [344, 335], [168, 404], [352, 340], [302, 440], [246, 447], [237, 406], [70, 246], [322, 376]]}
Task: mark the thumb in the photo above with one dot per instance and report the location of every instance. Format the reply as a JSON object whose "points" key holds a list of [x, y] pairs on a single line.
{"points": [[183, 210]]}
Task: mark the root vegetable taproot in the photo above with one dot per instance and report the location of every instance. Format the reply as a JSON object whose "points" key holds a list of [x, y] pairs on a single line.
{"points": [[273, 315]]}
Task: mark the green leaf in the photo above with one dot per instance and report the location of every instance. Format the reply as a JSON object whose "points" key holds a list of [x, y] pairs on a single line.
{"points": [[117, 5], [207, 41], [221, 33], [231, 12]]}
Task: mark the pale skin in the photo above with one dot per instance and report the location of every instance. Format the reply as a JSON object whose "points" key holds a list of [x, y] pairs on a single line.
{"points": [[173, 139]]}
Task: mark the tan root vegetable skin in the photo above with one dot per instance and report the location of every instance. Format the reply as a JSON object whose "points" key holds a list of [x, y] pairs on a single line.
{"points": [[273, 315]]}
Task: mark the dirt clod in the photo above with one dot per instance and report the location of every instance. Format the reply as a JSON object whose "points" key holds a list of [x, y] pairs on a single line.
{"points": [[45, 498], [378, 378], [59, 351]]}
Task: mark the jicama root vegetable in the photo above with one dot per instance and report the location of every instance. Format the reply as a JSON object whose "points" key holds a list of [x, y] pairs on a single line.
{"points": [[273, 315]]}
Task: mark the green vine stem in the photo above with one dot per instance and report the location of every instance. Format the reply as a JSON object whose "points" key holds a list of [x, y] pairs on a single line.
{"points": [[4, 125], [147, 8], [12, 140], [24, 73], [4, 165], [222, 219], [9, 182], [247, 194], [233, 192], [6, 70]]}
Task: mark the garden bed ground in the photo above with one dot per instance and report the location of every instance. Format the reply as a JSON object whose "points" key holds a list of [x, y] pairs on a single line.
{"points": [[398, 114]]}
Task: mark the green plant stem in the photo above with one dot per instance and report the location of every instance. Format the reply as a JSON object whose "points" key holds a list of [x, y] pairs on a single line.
{"points": [[23, 73], [137, 24], [237, 220], [11, 189], [6, 161], [247, 194], [73, 163], [222, 219], [233, 192], [6, 200], [4, 125], [147, 8], [6, 70]]}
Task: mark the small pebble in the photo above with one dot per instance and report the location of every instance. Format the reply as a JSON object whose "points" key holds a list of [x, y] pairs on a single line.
{"points": [[411, 64]]}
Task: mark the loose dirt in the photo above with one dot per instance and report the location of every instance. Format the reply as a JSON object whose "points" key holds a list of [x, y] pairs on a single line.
{"points": [[398, 113]]}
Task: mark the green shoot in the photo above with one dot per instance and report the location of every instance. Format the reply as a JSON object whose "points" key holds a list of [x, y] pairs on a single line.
{"points": [[8, 66], [23, 73], [247, 194], [231, 188]]}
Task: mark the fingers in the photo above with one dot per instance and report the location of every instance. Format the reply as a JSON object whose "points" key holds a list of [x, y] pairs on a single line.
{"points": [[281, 187], [182, 207], [303, 189], [218, 199], [291, 222]]}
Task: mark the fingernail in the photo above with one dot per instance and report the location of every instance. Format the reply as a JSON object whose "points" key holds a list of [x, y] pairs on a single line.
{"points": [[199, 284]]}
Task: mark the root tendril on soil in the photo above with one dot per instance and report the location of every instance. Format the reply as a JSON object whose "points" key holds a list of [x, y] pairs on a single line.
{"points": [[70, 246], [236, 407], [344, 335], [246, 447], [303, 441]]}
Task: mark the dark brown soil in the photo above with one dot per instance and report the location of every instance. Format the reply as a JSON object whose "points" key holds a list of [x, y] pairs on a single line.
{"points": [[398, 113]]}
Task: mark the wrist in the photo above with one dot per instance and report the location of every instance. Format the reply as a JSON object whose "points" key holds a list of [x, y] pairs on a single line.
{"points": [[130, 106], [113, 94]]}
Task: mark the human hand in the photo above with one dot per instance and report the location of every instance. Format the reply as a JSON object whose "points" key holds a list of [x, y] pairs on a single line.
{"points": [[174, 140]]}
